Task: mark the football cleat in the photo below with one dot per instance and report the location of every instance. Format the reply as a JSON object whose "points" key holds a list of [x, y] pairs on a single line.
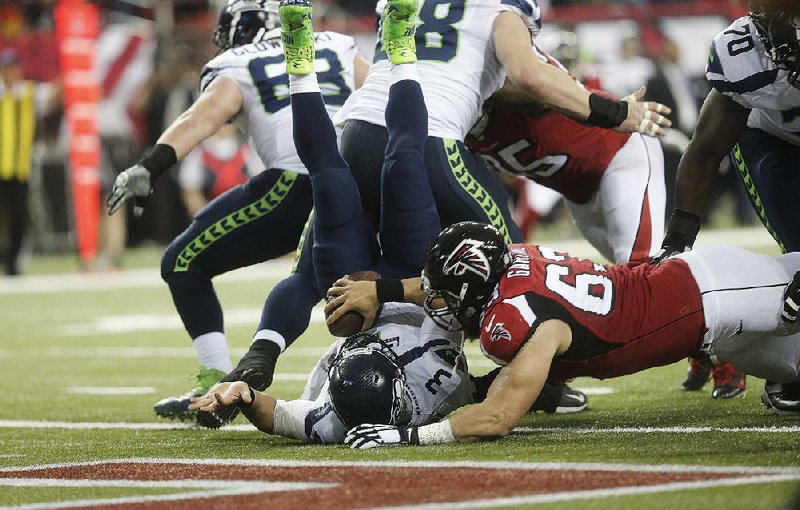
{"points": [[728, 382], [397, 32], [699, 373], [783, 399], [258, 377], [297, 35], [178, 407], [559, 399]]}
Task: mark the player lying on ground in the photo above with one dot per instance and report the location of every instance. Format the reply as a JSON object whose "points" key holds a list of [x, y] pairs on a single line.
{"points": [[752, 114], [257, 221], [405, 370], [546, 316]]}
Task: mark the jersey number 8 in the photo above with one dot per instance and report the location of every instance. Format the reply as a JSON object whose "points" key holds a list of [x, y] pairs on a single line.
{"points": [[437, 38], [273, 87]]}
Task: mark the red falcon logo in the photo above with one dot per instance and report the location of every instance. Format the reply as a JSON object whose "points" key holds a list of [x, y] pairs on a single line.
{"points": [[467, 257], [499, 333]]}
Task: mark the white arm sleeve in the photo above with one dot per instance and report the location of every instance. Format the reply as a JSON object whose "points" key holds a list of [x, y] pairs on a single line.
{"points": [[290, 418]]}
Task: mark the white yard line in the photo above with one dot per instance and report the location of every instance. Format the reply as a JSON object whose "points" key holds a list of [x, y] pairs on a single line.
{"points": [[596, 390], [110, 390], [141, 352], [124, 324], [599, 493], [44, 424], [129, 279], [656, 430], [196, 489], [542, 466]]}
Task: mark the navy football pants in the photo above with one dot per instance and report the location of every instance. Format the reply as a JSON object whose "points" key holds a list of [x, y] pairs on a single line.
{"points": [[770, 171], [256, 221], [463, 188]]}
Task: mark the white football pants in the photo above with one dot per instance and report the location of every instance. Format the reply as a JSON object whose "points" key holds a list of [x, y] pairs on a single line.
{"points": [[742, 296]]}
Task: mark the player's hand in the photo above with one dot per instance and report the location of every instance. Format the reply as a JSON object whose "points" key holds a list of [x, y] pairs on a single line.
{"points": [[223, 394], [134, 183], [646, 117], [348, 295], [369, 435], [664, 253], [681, 234]]}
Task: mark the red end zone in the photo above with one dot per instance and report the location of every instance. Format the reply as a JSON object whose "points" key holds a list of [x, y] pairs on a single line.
{"points": [[374, 484]]}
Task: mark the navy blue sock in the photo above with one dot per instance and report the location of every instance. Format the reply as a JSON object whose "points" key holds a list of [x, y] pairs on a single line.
{"points": [[409, 220], [287, 309]]}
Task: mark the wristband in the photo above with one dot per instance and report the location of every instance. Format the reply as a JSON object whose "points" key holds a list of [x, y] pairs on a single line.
{"points": [[682, 229], [158, 159], [243, 405], [389, 291], [605, 112]]}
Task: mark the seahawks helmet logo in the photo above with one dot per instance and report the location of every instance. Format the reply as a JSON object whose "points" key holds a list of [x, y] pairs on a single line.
{"points": [[468, 257]]}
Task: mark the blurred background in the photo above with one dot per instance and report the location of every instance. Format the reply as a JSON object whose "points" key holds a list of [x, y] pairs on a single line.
{"points": [[122, 70]]}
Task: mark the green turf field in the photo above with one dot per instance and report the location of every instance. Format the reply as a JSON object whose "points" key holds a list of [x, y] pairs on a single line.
{"points": [[64, 337]]}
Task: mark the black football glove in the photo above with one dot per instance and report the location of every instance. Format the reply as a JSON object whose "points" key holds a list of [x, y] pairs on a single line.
{"points": [[369, 435], [681, 234]]}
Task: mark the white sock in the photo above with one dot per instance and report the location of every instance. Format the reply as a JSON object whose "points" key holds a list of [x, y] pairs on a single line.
{"points": [[269, 335], [303, 84], [212, 351], [400, 72]]}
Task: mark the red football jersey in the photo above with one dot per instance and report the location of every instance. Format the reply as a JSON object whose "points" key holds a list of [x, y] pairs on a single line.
{"points": [[624, 319], [551, 149]]}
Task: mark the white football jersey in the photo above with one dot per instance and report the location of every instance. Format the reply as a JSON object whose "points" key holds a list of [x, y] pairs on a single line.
{"points": [[435, 369], [260, 72], [739, 67], [457, 66]]}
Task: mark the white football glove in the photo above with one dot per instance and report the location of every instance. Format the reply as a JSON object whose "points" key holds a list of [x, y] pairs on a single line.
{"points": [[369, 435], [132, 183]]}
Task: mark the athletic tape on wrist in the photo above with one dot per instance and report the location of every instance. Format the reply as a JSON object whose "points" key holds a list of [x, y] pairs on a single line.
{"points": [[389, 291], [158, 159], [436, 433], [605, 112]]}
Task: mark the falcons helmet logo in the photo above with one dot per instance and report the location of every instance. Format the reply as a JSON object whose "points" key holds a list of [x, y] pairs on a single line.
{"points": [[467, 257], [499, 333]]}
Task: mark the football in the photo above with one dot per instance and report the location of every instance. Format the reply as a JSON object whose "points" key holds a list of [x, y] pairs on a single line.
{"points": [[351, 322]]}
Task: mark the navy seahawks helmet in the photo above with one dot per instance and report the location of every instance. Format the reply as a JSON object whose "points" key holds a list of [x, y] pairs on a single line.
{"points": [[780, 33], [367, 383], [463, 265], [245, 21]]}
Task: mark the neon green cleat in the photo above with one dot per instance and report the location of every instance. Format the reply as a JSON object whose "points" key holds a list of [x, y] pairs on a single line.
{"points": [[399, 26], [297, 35], [178, 407]]}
